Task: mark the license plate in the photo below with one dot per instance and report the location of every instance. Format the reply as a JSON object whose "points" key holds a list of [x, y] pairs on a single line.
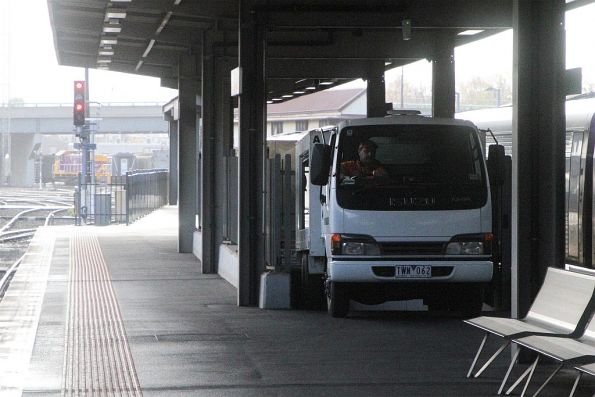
{"points": [[413, 271]]}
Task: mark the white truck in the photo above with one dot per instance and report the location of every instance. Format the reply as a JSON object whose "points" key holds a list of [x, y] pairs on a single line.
{"points": [[415, 222]]}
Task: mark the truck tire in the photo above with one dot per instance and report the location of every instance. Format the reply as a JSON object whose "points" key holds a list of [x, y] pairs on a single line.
{"points": [[312, 293], [337, 299], [470, 301]]}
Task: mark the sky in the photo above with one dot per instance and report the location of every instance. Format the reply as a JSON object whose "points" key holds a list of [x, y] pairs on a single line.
{"points": [[29, 69]]}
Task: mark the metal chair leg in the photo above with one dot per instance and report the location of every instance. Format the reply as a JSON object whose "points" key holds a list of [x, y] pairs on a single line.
{"points": [[518, 381], [483, 342], [575, 385], [530, 376], [548, 380], [496, 354], [509, 370]]}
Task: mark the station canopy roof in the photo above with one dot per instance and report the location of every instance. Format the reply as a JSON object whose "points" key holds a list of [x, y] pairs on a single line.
{"points": [[309, 43]]}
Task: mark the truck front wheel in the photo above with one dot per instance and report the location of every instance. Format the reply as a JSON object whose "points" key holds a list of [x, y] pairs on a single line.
{"points": [[312, 287], [470, 300], [337, 299]]}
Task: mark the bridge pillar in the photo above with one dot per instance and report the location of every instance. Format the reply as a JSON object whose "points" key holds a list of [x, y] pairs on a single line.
{"points": [[252, 104], [188, 91], [22, 166], [538, 134], [4, 159], [443, 76]]}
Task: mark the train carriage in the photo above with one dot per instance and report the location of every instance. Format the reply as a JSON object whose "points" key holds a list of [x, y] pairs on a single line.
{"points": [[580, 143]]}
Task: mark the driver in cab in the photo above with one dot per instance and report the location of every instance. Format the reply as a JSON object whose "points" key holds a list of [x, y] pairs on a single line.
{"points": [[366, 167]]}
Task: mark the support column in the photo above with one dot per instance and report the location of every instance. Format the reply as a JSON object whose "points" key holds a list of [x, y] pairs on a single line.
{"points": [[252, 140], [173, 160], [188, 89], [376, 92], [538, 146], [22, 165], [207, 158], [443, 77]]}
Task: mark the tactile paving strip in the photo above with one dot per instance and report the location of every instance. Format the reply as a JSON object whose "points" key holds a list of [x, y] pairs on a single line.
{"points": [[97, 358]]}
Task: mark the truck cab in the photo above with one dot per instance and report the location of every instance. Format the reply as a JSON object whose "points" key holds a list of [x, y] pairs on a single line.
{"points": [[398, 208]]}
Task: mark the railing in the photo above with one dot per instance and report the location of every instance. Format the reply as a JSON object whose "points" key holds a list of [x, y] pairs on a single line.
{"points": [[123, 199], [147, 190]]}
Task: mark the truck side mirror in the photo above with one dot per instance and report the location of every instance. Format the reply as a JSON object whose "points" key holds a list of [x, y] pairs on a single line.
{"points": [[496, 164], [320, 161]]}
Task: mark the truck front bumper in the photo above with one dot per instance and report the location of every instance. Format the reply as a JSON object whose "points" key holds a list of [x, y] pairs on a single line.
{"points": [[361, 270]]}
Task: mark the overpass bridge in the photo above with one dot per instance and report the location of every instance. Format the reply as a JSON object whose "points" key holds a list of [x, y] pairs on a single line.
{"points": [[23, 125]]}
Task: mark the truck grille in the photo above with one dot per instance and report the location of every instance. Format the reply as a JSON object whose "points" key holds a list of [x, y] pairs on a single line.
{"points": [[413, 248]]}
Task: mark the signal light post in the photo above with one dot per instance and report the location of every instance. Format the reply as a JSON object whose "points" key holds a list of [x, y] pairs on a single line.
{"points": [[79, 103], [80, 116]]}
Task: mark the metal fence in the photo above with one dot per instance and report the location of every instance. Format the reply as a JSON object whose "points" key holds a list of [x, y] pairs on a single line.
{"points": [[123, 199], [280, 214], [146, 190]]}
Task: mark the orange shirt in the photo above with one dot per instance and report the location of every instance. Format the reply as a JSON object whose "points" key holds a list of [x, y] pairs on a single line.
{"points": [[357, 168]]}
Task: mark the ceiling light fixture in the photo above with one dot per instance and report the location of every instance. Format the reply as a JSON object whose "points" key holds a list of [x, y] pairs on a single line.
{"points": [[163, 22], [107, 53], [299, 92], [469, 32], [406, 28], [326, 83], [112, 27], [287, 96], [109, 41], [115, 13], [277, 99], [311, 88], [104, 60], [149, 47], [177, 2], [139, 64]]}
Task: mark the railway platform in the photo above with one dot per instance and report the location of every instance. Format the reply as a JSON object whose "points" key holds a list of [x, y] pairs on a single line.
{"points": [[116, 310]]}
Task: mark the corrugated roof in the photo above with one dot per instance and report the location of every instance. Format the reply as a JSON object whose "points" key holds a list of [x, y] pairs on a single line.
{"points": [[318, 102]]}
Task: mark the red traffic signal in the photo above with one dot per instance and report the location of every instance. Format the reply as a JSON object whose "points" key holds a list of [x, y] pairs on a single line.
{"points": [[79, 103]]}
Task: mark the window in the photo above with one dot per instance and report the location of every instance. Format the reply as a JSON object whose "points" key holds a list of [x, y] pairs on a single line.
{"points": [[301, 125], [325, 122], [304, 198], [411, 167], [276, 127]]}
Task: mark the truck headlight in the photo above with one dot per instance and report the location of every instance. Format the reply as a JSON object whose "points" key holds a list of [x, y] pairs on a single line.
{"points": [[470, 244], [354, 244]]}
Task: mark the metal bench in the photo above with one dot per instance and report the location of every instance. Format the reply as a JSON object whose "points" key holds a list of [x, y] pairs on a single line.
{"points": [[579, 352], [559, 309], [585, 368]]}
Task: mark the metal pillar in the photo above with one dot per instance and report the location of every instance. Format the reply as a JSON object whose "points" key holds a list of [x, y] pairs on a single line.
{"points": [[538, 146], [252, 141], [443, 77], [376, 92], [226, 162], [188, 88], [173, 161], [207, 159]]}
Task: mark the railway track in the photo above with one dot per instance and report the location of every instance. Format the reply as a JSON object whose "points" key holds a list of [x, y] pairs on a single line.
{"points": [[22, 211]]}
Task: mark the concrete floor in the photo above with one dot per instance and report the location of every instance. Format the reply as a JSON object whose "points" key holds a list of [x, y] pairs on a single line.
{"points": [[189, 338]]}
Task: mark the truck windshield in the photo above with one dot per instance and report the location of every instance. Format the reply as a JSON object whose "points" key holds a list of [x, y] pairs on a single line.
{"points": [[410, 167]]}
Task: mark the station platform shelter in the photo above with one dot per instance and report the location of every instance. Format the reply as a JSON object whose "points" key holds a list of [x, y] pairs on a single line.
{"points": [[116, 310]]}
